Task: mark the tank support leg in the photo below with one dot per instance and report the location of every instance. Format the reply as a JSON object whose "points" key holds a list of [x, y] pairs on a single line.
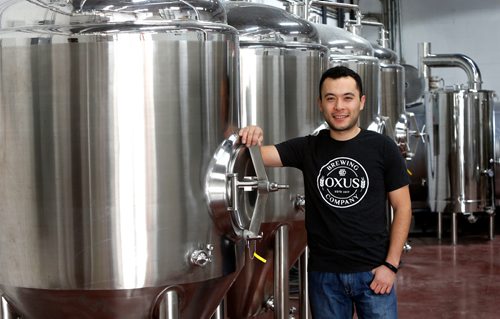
{"points": [[492, 227], [169, 305], [305, 311], [281, 295], [440, 226], [454, 228], [6, 311], [220, 311]]}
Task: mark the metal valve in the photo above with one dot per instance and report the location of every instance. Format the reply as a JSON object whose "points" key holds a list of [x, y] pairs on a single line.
{"points": [[489, 172], [299, 202], [201, 257], [273, 187]]}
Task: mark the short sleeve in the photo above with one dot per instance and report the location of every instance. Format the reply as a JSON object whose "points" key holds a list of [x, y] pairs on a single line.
{"points": [[292, 152]]}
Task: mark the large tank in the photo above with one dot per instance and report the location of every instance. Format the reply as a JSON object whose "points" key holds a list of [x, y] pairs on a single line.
{"points": [[460, 150], [110, 114], [356, 53], [281, 63]]}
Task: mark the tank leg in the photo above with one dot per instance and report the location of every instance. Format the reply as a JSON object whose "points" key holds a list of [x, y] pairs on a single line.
{"points": [[492, 227], [169, 306], [305, 311], [281, 294], [440, 226], [454, 228], [6, 311], [220, 311]]}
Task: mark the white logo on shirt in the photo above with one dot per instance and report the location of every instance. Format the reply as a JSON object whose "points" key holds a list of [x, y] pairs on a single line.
{"points": [[342, 182]]}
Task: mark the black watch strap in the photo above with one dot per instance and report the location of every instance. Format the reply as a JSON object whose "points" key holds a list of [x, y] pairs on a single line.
{"points": [[391, 267]]}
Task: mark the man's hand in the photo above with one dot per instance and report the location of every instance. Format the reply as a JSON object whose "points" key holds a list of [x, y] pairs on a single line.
{"points": [[383, 281], [251, 135]]}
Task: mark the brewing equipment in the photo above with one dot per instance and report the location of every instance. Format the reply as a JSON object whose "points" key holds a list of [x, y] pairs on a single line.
{"points": [[116, 122], [460, 145], [496, 129], [281, 62]]}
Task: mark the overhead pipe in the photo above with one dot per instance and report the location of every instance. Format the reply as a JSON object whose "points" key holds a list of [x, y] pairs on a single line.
{"points": [[355, 28], [428, 60]]}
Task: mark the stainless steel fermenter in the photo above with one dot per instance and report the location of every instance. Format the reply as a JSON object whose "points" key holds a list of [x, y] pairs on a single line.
{"points": [[460, 150], [110, 113]]}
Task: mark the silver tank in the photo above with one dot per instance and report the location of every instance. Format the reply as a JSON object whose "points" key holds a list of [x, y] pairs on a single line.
{"points": [[356, 53], [110, 114], [496, 130], [460, 150], [281, 62], [395, 120]]}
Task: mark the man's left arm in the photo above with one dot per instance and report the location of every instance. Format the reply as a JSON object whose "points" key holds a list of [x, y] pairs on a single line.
{"points": [[401, 205]]}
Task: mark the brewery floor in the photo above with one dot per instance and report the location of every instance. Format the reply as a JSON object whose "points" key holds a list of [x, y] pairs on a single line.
{"points": [[439, 280]]}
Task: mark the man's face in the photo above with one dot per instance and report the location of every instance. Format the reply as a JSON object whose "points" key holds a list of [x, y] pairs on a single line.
{"points": [[340, 103]]}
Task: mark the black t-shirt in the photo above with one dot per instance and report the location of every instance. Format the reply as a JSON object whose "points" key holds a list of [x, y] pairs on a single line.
{"points": [[346, 185]]}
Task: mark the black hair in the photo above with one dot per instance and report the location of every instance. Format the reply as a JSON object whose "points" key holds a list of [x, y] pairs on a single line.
{"points": [[340, 72]]}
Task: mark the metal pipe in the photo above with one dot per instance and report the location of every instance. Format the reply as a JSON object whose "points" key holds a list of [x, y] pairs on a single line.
{"points": [[424, 49], [281, 294], [305, 311], [169, 305], [383, 39], [455, 60], [6, 310], [338, 5]]}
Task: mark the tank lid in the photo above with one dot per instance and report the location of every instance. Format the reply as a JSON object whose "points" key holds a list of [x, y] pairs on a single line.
{"points": [[340, 41], [117, 11], [126, 10], [267, 24], [385, 54]]}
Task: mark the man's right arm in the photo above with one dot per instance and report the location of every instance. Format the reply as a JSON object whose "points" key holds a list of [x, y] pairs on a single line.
{"points": [[253, 135]]}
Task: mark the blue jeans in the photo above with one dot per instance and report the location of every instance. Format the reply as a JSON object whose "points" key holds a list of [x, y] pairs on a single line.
{"points": [[335, 295]]}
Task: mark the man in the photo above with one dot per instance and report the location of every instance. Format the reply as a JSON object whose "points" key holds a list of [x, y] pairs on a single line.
{"points": [[348, 173]]}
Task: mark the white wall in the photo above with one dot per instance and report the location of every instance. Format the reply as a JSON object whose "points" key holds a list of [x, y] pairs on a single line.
{"points": [[470, 27]]}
